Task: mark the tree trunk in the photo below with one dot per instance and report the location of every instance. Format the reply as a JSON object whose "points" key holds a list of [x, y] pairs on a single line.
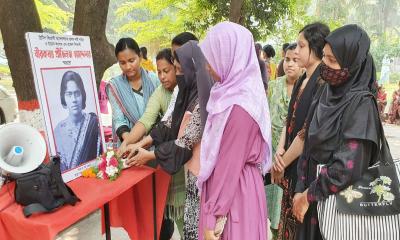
{"points": [[14, 25], [17, 18], [90, 20], [235, 11]]}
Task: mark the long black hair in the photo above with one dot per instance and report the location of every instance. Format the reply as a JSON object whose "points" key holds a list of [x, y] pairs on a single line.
{"points": [[76, 78], [127, 43], [315, 34], [165, 54]]}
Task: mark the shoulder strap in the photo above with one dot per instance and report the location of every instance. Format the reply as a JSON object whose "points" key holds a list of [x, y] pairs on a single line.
{"points": [[39, 208]]}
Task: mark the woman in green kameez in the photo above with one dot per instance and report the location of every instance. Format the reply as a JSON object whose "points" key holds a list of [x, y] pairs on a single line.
{"points": [[279, 92]]}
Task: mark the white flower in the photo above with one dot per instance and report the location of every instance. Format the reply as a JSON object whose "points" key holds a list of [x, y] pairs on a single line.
{"points": [[111, 171], [110, 154], [100, 174]]}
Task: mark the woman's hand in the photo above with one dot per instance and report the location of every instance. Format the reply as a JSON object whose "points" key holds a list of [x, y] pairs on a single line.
{"points": [[122, 149], [280, 150], [141, 158], [300, 205], [131, 150], [210, 235], [279, 164], [276, 177]]}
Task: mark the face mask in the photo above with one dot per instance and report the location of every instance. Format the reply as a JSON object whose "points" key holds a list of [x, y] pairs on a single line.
{"points": [[335, 77]]}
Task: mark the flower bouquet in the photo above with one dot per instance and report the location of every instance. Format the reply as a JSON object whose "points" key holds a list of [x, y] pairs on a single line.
{"points": [[109, 167]]}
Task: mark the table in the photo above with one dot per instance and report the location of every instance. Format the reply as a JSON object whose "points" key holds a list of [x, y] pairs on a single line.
{"points": [[129, 200]]}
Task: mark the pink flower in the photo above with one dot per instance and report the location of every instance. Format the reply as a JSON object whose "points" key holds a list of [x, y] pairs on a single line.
{"points": [[103, 165], [353, 145], [105, 176], [350, 164], [113, 162], [333, 188]]}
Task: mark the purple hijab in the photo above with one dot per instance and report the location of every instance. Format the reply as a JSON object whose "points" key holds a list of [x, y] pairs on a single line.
{"points": [[229, 49]]}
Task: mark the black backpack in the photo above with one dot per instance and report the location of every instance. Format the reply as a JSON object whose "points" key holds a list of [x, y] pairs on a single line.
{"points": [[43, 189]]}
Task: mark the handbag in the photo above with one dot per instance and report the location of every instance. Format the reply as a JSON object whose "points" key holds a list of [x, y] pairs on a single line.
{"points": [[370, 207], [43, 189], [274, 194]]}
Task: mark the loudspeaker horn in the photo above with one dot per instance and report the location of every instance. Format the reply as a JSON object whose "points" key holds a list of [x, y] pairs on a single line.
{"points": [[22, 148]]}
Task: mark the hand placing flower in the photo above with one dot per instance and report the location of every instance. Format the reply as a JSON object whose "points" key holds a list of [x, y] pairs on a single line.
{"points": [[141, 158]]}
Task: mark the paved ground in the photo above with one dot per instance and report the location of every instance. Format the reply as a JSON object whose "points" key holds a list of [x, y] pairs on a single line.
{"points": [[392, 133], [90, 227]]}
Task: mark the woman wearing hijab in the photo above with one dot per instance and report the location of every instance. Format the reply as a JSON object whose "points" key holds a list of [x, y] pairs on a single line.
{"points": [[345, 148], [310, 43], [178, 140], [236, 144], [131, 143]]}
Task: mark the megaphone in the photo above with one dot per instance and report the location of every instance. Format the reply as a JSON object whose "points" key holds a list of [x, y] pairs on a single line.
{"points": [[22, 148]]}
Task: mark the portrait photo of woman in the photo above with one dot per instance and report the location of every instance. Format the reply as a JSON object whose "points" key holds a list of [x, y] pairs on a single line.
{"points": [[77, 137]]}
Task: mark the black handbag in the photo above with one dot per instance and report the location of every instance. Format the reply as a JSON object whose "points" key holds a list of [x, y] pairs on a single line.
{"points": [[43, 189], [377, 193], [369, 208]]}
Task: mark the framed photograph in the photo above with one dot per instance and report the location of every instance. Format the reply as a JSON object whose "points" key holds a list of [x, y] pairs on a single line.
{"points": [[67, 92]]}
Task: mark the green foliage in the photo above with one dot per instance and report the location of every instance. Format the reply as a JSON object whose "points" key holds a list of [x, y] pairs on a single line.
{"points": [[259, 16], [289, 25], [53, 19], [4, 70], [156, 22], [394, 78], [379, 18]]}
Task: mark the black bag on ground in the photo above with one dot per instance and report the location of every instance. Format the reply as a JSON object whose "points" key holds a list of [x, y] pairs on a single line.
{"points": [[43, 189]]}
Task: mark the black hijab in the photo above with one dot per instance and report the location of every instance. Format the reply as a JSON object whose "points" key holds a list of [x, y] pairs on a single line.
{"points": [[194, 88], [350, 45], [188, 94], [203, 79]]}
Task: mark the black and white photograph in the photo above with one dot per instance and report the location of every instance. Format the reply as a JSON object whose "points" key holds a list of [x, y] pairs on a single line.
{"points": [[73, 115]]}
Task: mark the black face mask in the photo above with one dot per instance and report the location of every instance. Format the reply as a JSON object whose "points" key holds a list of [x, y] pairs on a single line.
{"points": [[335, 77]]}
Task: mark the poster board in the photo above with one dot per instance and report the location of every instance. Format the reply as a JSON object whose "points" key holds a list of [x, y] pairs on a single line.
{"points": [[66, 88]]}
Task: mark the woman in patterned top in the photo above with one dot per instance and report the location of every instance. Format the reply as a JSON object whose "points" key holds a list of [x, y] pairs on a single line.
{"points": [[279, 93], [345, 148], [177, 140], [310, 43]]}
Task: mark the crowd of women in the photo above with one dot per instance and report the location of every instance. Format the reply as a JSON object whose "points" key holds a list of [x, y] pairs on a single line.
{"points": [[212, 121]]}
